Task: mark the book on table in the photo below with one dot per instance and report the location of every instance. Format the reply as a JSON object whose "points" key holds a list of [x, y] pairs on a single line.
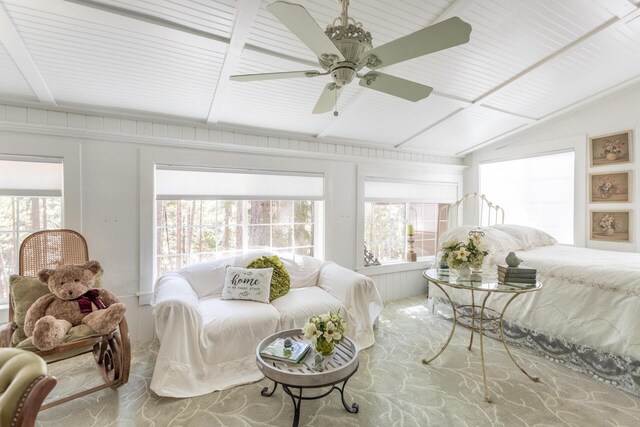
{"points": [[277, 351], [516, 270], [516, 280], [519, 279]]}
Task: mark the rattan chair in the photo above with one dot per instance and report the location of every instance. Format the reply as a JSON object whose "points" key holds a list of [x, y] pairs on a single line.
{"points": [[112, 352]]}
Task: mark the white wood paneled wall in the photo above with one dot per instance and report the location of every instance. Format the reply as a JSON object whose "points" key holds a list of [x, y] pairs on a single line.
{"points": [[186, 134], [400, 284]]}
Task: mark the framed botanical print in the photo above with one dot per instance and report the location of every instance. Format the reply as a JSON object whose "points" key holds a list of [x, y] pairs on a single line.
{"points": [[610, 187], [610, 226], [610, 149]]}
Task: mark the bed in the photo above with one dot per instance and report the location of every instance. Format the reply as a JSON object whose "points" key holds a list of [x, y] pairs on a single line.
{"points": [[587, 315]]}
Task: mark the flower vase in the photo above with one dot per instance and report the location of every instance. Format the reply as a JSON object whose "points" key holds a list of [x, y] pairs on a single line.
{"points": [[612, 156], [464, 271], [324, 347], [610, 231]]}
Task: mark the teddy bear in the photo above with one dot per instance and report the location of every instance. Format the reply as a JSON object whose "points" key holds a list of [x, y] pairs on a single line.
{"points": [[72, 301]]}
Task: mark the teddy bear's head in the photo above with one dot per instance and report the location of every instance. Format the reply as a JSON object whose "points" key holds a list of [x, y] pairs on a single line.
{"points": [[70, 281]]}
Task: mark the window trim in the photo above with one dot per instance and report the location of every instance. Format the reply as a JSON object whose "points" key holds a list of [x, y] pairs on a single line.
{"points": [[150, 157]]}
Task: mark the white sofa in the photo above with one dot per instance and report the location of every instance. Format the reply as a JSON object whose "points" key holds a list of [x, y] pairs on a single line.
{"points": [[208, 344]]}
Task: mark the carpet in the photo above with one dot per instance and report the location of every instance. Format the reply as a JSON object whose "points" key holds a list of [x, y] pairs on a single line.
{"points": [[392, 388]]}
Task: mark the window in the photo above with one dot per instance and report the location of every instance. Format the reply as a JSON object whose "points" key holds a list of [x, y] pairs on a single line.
{"points": [[385, 227], [30, 200], [391, 206], [244, 211], [535, 191]]}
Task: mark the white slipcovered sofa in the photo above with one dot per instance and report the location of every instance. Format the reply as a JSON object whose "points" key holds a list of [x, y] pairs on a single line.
{"points": [[208, 344]]}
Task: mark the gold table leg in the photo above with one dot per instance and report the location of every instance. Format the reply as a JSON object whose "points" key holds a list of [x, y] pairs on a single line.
{"points": [[473, 319], [504, 342], [453, 328], [487, 397]]}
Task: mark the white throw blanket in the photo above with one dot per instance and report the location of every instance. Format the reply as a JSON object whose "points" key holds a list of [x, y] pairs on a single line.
{"points": [[209, 344]]}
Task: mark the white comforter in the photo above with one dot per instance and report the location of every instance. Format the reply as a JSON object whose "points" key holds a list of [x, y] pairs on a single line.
{"points": [[590, 297]]}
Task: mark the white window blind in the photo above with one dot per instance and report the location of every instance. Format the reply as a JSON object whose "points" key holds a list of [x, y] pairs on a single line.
{"points": [[183, 183], [408, 191], [534, 191], [26, 178]]}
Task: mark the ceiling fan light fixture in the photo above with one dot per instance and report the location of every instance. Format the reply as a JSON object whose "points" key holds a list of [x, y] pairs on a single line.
{"points": [[345, 47]]}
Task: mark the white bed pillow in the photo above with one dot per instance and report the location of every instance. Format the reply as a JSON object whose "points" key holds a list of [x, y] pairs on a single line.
{"points": [[252, 284], [495, 240], [303, 270], [527, 237]]}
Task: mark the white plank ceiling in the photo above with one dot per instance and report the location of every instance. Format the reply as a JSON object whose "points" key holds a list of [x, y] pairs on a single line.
{"points": [[526, 61]]}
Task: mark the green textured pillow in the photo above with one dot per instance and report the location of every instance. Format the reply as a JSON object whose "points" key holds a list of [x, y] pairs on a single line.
{"points": [[280, 281]]}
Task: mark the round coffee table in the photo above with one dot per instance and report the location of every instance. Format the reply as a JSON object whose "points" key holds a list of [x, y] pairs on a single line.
{"points": [[339, 367]]}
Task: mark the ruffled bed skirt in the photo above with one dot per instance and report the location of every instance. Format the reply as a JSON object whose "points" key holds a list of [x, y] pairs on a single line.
{"points": [[618, 371]]}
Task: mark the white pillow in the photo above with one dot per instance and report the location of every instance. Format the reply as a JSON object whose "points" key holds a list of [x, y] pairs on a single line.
{"points": [[303, 270], [252, 284], [494, 239], [207, 278], [527, 237]]}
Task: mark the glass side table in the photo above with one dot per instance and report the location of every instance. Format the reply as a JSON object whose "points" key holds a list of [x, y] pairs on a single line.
{"points": [[481, 317]]}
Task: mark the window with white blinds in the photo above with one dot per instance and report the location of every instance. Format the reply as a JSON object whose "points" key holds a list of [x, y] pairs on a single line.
{"points": [[534, 191], [205, 214], [30, 200], [392, 207]]}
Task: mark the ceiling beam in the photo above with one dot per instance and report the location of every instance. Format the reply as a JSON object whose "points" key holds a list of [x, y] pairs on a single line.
{"points": [[16, 48], [245, 15], [156, 20], [454, 8], [486, 97]]}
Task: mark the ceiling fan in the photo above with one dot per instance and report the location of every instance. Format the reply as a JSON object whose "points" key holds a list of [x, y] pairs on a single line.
{"points": [[344, 48]]}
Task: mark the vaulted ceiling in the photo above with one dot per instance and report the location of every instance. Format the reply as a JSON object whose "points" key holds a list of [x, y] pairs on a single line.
{"points": [[527, 61]]}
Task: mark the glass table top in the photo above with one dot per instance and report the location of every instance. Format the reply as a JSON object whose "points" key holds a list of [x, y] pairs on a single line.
{"points": [[484, 282]]}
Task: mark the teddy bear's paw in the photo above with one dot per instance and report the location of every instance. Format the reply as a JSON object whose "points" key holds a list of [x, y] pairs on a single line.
{"points": [[105, 321], [49, 332]]}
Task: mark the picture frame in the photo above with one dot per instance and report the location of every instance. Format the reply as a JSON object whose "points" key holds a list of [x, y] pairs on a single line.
{"points": [[611, 149], [610, 187], [610, 225]]}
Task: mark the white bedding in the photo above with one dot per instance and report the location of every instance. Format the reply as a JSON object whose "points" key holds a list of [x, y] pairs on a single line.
{"points": [[589, 297]]}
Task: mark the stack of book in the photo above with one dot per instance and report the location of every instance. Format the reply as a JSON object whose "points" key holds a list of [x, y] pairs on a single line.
{"points": [[518, 276], [286, 350]]}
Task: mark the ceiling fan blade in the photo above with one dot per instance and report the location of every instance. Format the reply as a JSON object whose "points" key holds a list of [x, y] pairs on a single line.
{"points": [[328, 98], [443, 35], [395, 86], [275, 76], [302, 25]]}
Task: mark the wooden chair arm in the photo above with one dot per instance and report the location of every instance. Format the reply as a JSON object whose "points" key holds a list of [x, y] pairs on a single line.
{"points": [[6, 331]]}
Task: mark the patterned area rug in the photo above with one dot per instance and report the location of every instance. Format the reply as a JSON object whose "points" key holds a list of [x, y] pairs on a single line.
{"points": [[392, 388]]}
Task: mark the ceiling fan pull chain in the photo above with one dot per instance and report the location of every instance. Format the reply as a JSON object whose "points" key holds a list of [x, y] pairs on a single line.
{"points": [[335, 104]]}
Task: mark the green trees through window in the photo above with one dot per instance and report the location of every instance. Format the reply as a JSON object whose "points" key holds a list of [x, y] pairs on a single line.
{"points": [[385, 229], [191, 231], [19, 217]]}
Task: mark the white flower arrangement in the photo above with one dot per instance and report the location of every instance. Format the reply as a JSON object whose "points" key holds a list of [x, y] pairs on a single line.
{"points": [[472, 252], [329, 327]]}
